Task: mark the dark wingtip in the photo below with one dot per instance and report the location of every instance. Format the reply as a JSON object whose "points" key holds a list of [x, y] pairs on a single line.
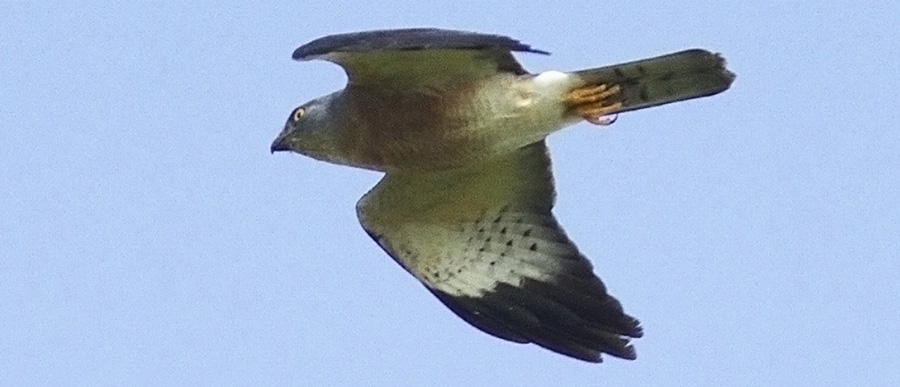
{"points": [[522, 47], [583, 328]]}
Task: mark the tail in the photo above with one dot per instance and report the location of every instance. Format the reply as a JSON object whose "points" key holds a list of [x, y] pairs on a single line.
{"points": [[664, 79]]}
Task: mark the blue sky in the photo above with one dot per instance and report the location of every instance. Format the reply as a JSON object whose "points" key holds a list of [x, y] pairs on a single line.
{"points": [[147, 236]]}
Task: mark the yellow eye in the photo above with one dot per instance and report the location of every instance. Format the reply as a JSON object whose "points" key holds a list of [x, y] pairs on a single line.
{"points": [[298, 114]]}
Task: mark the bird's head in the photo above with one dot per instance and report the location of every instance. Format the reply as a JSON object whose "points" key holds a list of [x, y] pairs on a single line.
{"points": [[310, 130]]}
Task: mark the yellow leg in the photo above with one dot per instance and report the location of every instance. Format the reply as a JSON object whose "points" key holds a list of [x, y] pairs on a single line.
{"points": [[595, 103]]}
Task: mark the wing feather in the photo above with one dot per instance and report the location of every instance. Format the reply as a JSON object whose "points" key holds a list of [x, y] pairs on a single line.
{"points": [[409, 39], [484, 241], [416, 57]]}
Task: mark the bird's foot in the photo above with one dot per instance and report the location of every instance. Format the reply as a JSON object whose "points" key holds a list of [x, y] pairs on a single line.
{"points": [[595, 103]]}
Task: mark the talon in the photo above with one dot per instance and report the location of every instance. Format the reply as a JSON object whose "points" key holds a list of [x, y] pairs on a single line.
{"points": [[595, 103]]}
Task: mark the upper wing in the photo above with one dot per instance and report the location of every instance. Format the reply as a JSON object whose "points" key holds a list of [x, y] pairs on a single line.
{"points": [[392, 58], [484, 241]]}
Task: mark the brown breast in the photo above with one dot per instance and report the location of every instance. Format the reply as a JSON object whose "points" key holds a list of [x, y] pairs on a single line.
{"points": [[408, 129]]}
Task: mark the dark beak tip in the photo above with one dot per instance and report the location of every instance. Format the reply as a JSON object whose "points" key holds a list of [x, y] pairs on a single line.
{"points": [[278, 145]]}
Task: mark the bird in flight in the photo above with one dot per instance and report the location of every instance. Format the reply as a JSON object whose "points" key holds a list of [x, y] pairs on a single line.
{"points": [[457, 125]]}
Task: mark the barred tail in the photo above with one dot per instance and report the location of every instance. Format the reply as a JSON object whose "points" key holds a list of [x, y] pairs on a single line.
{"points": [[664, 79]]}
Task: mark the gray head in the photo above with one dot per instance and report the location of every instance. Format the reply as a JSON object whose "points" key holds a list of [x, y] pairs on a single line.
{"points": [[312, 130]]}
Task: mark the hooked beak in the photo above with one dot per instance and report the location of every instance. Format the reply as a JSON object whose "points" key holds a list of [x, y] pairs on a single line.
{"points": [[280, 144]]}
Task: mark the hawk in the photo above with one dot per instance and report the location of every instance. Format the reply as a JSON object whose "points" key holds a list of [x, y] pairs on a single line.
{"points": [[457, 125]]}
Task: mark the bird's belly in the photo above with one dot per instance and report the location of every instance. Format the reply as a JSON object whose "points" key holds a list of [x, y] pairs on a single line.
{"points": [[519, 113]]}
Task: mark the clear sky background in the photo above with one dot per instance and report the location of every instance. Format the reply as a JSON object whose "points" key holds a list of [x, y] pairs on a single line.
{"points": [[147, 236]]}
